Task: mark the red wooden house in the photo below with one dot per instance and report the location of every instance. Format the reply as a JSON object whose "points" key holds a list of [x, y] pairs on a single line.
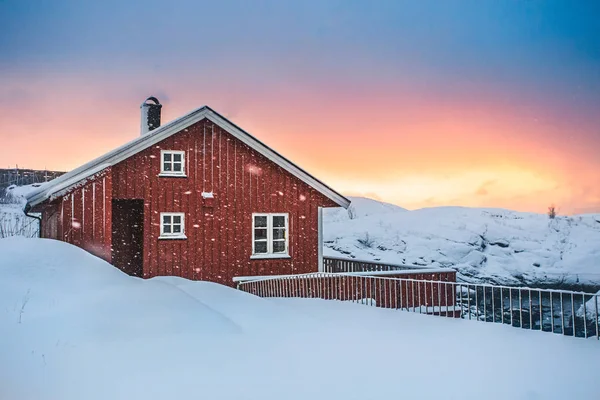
{"points": [[198, 198]]}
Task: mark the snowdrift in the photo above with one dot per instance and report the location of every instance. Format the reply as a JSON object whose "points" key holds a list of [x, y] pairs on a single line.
{"points": [[73, 327], [484, 245], [69, 293]]}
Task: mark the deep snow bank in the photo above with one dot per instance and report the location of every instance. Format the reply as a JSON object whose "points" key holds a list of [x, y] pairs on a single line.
{"points": [[72, 327], [71, 294], [484, 245]]}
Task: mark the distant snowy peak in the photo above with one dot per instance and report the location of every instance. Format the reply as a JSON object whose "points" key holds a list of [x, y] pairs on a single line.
{"points": [[361, 207]]}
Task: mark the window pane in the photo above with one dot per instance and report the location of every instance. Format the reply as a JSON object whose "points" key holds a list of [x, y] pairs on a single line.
{"points": [[167, 229], [279, 221], [177, 167], [279, 247], [177, 157], [176, 219], [260, 233], [167, 167], [167, 156], [278, 233], [176, 228], [166, 219], [260, 247], [260, 221]]}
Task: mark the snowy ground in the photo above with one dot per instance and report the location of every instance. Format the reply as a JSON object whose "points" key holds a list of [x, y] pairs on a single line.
{"points": [[74, 327], [484, 245]]}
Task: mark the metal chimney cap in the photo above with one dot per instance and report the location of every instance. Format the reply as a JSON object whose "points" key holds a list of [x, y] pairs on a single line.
{"points": [[153, 99]]}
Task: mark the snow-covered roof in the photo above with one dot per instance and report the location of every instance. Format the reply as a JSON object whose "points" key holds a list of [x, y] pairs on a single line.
{"points": [[142, 142]]}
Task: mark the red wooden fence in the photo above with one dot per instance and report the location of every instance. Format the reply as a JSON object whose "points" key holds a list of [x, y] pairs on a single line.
{"points": [[431, 292]]}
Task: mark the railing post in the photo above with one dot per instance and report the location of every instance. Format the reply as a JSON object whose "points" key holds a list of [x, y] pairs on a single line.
{"points": [[469, 300], [552, 311], [320, 238], [573, 313], [584, 317], [562, 315], [530, 311], [541, 311], [597, 317]]}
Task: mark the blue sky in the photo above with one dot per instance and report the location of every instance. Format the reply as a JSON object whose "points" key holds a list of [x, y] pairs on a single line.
{"points": [[530, 66]]}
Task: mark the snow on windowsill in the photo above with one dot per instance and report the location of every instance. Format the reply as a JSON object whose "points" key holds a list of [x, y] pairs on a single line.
{"points": [[208, 195], [180, 237], [268, 256], [171, 175]]}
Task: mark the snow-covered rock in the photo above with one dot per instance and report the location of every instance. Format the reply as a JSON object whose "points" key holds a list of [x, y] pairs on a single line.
{"points": [[592, 308], [483, 244]]}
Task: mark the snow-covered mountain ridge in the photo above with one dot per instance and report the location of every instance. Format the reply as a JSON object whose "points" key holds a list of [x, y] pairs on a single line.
{"points": [[484, 244]]}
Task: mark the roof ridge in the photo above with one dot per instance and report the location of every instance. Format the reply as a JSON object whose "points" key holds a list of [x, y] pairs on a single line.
{"points": [[142, 142]]}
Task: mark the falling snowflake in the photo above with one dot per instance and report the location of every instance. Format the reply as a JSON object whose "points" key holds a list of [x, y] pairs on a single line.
{"points": [[253, 169]]}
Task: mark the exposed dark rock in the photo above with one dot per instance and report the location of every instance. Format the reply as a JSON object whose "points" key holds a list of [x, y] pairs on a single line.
{"points": [[500, 242]]}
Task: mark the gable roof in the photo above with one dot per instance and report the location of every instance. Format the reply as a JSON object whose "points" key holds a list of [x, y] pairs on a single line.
{"points": [[142, 142]]}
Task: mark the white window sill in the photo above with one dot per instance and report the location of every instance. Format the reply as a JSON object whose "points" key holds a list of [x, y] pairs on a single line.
{"points": [[169, 175], [268, 256], [181, 237]]}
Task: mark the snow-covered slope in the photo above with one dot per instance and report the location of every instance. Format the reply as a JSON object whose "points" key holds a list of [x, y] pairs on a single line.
{"points": [[73, 327], [484, 245], [361, 207]]}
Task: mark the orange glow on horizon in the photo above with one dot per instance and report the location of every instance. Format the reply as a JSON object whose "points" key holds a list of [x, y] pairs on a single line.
{"points": [[399, 147]]}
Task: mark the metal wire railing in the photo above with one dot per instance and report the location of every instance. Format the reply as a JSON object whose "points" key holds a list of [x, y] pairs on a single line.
{"points": [[563, 312]]}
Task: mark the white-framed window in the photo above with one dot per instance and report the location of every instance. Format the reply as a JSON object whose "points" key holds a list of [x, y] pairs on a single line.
{"points": [[270, 235], [172, 226], [172, 163]]}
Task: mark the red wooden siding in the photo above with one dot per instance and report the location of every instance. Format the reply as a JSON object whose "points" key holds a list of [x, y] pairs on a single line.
{"points": [[82, 216], [219, 231]]}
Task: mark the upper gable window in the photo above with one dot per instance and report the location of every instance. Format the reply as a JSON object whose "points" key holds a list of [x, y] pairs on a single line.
{"points": [[172, 163]]}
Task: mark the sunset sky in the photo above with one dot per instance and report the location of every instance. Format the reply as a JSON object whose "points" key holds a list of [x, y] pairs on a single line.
{"points": [[419, 103]]}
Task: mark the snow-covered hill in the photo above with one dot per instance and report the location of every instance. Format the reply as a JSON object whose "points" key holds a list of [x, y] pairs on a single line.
{"points": [[483, 244], [74, 327]]}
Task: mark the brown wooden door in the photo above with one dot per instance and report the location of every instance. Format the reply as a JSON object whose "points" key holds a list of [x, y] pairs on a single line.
{"points": [[128, 236]]}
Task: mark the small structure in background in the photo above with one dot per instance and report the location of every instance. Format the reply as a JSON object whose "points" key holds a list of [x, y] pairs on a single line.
{"points": [[20, 177]]}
